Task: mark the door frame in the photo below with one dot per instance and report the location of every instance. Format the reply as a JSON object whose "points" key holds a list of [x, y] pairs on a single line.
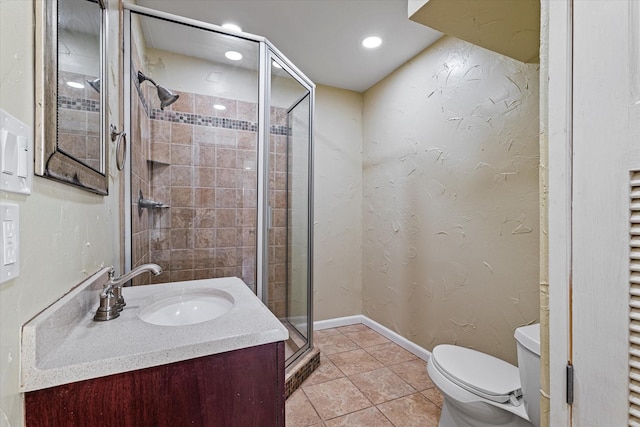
{"points": [[559, 100]]}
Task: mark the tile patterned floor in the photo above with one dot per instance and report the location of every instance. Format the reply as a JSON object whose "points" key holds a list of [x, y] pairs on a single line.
{"points": [[364, 380]]}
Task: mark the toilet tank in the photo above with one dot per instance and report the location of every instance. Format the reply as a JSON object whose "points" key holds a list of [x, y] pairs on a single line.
{"points": [[528, 342]]}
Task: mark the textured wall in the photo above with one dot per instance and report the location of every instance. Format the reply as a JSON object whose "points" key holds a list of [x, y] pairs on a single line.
{"points": [[337, 203], [66, 234], [451, 198]]}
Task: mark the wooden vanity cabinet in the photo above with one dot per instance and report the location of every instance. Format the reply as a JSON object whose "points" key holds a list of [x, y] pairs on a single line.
{"points": [[240, 388]]}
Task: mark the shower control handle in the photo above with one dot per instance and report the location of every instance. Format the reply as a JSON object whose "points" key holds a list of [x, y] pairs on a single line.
{"points": [[148, 204]]}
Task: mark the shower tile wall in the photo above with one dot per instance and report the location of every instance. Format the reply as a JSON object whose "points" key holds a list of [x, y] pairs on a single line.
{"points": [[201, 161], [139, 141], [208, 176], [277, 281]]}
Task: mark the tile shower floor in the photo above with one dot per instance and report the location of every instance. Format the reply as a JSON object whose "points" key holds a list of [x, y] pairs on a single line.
{"points": [[364, 380]]}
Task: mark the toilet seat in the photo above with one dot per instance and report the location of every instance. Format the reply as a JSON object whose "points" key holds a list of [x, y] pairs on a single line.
{"points": [[478, 373]]}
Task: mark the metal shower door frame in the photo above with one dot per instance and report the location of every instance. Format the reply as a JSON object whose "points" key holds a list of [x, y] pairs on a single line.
{"points": [[268, 52]]}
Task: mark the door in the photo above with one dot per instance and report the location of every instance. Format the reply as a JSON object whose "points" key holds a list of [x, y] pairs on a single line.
{"points": [[289, 199], [606, 138], [298, 155]]}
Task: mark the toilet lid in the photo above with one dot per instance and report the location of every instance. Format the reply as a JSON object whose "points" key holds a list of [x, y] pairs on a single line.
{"points": [[479, 373]]}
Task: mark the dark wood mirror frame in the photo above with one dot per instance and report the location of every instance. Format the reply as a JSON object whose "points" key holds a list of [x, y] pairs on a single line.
{"points": [[50, 161]]}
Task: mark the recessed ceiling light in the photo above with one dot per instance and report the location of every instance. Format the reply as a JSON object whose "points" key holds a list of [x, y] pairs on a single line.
{"points": [[372, 42], [230, 26], [219, 107], [233, 55], [75, 85], [275, 64]]}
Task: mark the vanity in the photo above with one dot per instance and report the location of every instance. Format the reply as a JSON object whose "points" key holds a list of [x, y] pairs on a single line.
{"points": [[225, 371]]}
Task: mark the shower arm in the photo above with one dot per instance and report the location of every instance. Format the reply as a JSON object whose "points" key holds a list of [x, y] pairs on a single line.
{"points": [[142, 78]]}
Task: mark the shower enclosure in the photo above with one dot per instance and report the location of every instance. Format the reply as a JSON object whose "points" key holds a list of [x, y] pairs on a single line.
{"points": [[219, 166]]}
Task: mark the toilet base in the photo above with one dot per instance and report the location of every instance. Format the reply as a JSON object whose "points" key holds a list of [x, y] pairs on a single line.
{"points": [[454, 417], [445, 418]]}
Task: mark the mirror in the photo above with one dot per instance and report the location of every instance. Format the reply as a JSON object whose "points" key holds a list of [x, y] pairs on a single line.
{"points": [[71, 94]]}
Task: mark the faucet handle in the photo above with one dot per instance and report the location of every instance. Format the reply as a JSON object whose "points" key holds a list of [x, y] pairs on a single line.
{"points": [[108, 308], [117, 294]]}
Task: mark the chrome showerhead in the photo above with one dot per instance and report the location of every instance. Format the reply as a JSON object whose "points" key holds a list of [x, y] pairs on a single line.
{"points": [[165, 96], [95, 84]]}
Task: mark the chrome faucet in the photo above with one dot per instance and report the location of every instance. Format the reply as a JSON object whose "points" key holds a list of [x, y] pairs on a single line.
{"points": [[111, 299]]}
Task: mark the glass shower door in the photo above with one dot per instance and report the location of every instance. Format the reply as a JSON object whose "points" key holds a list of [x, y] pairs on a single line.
{"points": [[194, 159], [289, 198], [219, 166], [298, 146]]}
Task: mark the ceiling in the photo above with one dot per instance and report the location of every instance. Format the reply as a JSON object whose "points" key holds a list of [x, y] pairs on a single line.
{"points": [[79, 16], [321, 37]]}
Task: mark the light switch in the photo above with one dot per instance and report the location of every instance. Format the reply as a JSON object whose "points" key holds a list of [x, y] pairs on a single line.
{"points": [[9, 152], [16, 155], [9, 241]]}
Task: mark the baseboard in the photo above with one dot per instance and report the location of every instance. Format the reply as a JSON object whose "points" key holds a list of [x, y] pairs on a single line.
{"points": [[381, 329], [337, 322]]}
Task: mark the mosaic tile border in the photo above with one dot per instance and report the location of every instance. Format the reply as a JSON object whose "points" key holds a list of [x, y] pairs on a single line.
{"points": [[78, 104], [212, 121], [301, 372], [202, 120]]}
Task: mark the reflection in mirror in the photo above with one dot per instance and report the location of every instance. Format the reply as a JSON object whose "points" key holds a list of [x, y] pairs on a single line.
{"points": [[79, 23], [70, 99]]}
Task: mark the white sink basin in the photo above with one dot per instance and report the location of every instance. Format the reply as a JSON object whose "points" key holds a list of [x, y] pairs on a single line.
{"points": [[188, 307]]}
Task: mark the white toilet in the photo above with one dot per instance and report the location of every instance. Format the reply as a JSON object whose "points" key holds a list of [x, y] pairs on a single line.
{"points": [[480, 390]]}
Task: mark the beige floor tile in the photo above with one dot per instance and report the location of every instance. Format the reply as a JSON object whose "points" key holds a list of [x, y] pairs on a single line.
{"points": [[325, 372], [366, 338], [381, 385], [370, 417], [414, 372], [353, 328], [355, 362], [414, 410], [390, 353], [434, 395], [336, 397], [299, 412], [325, 333], [332, 344]]}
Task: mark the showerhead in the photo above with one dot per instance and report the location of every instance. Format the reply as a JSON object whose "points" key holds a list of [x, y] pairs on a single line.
{"points": [[95, 84], [165, 96]]}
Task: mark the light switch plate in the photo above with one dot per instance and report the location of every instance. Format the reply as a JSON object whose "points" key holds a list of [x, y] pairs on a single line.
{"points": [[9, 241], [16, 154]]}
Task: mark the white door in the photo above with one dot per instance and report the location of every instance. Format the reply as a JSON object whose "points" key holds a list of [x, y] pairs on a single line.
{"points": [[605, 141]]}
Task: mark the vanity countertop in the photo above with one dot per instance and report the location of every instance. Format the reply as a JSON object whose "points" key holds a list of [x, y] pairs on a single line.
{"points": [[63, 344]]}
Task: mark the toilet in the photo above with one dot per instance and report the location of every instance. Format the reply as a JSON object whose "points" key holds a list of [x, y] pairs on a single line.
{"points": [[480, 390]]}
